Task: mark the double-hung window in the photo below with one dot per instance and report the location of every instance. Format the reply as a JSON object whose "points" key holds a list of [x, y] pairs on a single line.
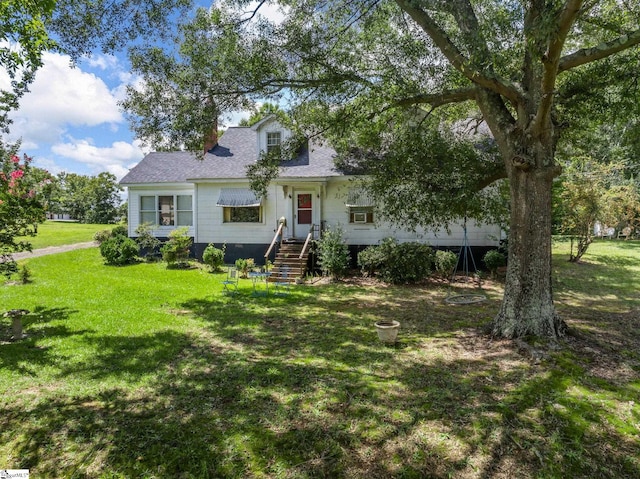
{"points": [[274, 141], [167, 210]]}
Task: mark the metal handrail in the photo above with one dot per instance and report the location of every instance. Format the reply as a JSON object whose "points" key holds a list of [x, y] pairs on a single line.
{"points": [[306, 243], [275, 238]]}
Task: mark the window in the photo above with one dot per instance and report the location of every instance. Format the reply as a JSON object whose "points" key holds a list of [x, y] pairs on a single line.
{"points": [[148, 210], [161, 210], [244, 214], [360, 206], [239, 205], [165, 210], [274, 140], [184, 211], [361, 214]]}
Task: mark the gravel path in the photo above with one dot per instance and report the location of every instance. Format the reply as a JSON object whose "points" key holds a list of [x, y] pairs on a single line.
{"points": [[54, 250]]}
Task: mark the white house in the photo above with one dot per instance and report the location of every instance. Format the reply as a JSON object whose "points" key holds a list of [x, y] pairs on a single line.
{"points": [[211, 196]]}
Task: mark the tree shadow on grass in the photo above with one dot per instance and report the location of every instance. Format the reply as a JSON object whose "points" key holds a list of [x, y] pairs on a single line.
{"points": [[300, 387], [27, 355]]}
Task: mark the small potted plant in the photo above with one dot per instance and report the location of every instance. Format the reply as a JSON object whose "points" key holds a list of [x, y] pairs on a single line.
{"points": [[387, 330]]}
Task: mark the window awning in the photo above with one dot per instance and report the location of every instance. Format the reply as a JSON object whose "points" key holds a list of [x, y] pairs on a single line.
{"points": [[238, 198], [357, 197]]}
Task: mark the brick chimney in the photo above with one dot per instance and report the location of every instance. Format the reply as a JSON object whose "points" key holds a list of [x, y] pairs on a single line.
{"points": [[211, 139]]}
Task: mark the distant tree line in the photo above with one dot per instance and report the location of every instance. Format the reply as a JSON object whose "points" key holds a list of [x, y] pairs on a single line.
{"points": [[88, 199]]}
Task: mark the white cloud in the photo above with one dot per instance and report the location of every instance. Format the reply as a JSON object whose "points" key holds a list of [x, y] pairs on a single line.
{"points": [[116, 159], [47, 164], [61, 97], [103, 62]]}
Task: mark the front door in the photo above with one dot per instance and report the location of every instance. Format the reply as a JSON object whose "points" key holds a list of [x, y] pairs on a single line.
{"points": [[303, 214]]}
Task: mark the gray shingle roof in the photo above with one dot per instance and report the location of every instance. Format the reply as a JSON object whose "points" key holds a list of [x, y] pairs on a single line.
{"points": [[236, 149]]}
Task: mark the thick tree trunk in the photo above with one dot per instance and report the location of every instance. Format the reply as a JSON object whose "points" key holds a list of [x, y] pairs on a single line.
{"points": [[527, 307]]}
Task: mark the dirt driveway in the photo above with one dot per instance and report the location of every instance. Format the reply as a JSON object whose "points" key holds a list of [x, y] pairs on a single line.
{"points": [[53, 250]]}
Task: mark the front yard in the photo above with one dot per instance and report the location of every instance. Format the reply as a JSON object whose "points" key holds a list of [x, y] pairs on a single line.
{"points": [[146, 372]]}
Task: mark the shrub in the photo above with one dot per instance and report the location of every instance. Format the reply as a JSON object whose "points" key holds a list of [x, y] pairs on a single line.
{"points": [[146, 240], [119, 230], [244, 266], [176, 251], [444, 262], [119, 250], [409, 263], [102, 236], [333, 253], [372, 259], [494, 259], [25, 274], [398, 262], [214, 257]]}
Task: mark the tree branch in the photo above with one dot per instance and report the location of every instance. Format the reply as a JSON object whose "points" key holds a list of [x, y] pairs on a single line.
{"points": [[455, 57], [551, 58], [254, 13], [588, 55], [500, 173], [439, 99]]}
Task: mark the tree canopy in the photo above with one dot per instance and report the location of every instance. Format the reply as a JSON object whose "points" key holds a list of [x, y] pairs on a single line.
{"points": [[367, 73]]}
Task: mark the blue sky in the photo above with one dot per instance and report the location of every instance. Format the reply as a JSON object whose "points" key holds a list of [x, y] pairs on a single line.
{"points": [[70, 120]]}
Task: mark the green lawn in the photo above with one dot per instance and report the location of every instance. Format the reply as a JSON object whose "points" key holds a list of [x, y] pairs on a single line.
{"points": [[57, 233], [146, 372]]}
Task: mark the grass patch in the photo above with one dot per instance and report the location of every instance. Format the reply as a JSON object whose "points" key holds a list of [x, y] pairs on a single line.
{"points": [[141, 371], [58, 233]]}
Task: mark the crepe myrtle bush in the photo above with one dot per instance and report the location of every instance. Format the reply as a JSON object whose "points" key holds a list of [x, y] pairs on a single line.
{"points": [[21, 208]]}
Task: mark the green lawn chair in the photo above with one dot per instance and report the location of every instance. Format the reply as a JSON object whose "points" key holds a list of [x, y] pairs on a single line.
{"points": [[230, 285]]}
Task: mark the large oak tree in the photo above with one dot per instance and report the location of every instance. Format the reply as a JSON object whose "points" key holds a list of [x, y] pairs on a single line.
{"points": [[369, 71]]}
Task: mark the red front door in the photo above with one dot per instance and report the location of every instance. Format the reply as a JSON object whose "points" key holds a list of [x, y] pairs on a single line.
{"points": [[304, 214]]}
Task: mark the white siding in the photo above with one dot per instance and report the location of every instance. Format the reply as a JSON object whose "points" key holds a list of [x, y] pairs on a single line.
{"points": [[213, 229], [329, 207], [271, 126], [134, 194], [336, 213]]}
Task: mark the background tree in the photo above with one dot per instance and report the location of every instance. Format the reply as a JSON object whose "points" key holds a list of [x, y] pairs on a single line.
{"points": [[49, 189], [90, 199], [529, 70], [260, 113], [20, 207], [104, 198], [74, 197], [581, 202], [622, 207]]}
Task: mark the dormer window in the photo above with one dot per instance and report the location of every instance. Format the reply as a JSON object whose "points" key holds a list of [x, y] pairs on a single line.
{"points": [[274, 140]]}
